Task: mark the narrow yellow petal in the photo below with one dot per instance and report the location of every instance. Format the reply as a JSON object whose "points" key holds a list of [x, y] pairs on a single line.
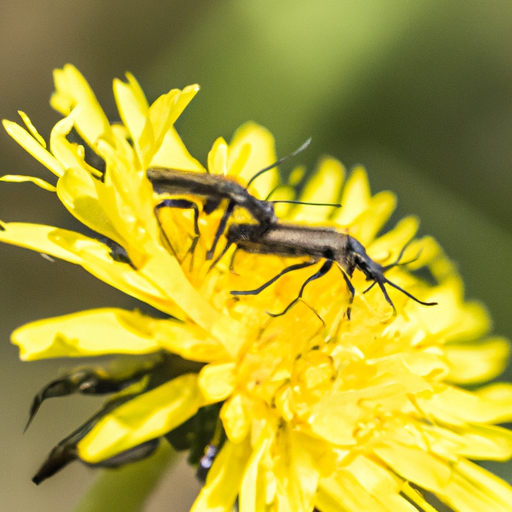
{"points": [[323, 187], [252, 489], [187, 94], [369, 223], [415, 465], [355, 198], [24, 139], [32, 129], [417, 498], [262, 154], [95, 257], [457, 406], [133, 110], [235, 418], [18, 178], [137, 92], [218, 157], [71, 155], [223, 480], [490, 484], [391, 243], [342, 492], [78, 191], [473, 488]]}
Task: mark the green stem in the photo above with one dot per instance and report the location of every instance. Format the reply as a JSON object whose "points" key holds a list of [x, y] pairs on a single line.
{"points": [[126, 488]]}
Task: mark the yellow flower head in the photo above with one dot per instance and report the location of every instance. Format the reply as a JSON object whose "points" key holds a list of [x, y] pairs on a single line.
{"points": [[331, 392]]}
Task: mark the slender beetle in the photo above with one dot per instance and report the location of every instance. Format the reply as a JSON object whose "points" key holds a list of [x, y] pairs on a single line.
{"points": [[319, 243]]}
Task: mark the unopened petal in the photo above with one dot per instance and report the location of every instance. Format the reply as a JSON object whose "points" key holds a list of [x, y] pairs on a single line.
{"points": [[145, 417]]}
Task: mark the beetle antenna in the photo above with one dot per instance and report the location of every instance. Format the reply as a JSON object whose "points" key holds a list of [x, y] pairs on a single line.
{"points": [[280, 161], [290, 201]]}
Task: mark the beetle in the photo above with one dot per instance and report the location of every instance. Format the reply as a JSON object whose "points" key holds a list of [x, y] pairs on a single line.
{"points": [[214, 189], [319, 243]]}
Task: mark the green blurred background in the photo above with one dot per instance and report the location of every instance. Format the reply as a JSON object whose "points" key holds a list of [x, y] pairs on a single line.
{"points": [[420, 92]]}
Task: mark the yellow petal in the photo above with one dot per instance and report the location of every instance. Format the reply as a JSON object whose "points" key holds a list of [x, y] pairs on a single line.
{"points": [[223, 480], [417, 498], [473, 488], [73, 95], [217, 381], [218, 158], [145, 417], [70, 155], [164, 112], [456, 407], [18, 178], [32, 129], [323, 187], [38, 238], [471, 363], [95, 258], [369, 223], [25, 140], [338, 425], [133, 108], [235, 418], [77, 191], [376, 479], [137, 94], [498, 392], [296, 473], [189, 341], [478, 442], [342, 492], [173, 154], [88, 333], [391, 243], [415, 465], [167, 112], [355, 198], [262, 154], [382, 484], [252, 490]]}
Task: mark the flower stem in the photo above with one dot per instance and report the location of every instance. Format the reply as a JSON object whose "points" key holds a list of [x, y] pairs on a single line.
{"points": [[128, 487]]}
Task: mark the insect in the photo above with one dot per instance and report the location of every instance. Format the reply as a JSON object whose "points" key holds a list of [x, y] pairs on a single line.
{"points": [[319, 243], [215, 189]]}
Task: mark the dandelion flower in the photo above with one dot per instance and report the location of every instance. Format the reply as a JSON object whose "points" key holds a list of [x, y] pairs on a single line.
{"points": [[311, 409]]}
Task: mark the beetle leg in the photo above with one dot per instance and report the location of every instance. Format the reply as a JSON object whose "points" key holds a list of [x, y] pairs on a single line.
{"points": [[291, 268], [220, 230], [317, 275], [183, 204]]}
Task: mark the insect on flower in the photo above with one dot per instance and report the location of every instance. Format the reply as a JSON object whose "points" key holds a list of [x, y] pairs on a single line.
{"points": [[215, 189], [318, 243], [278, 413]]}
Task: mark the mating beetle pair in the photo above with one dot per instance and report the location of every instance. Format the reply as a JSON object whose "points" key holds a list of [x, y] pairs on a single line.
{"points": [[268, 235]]}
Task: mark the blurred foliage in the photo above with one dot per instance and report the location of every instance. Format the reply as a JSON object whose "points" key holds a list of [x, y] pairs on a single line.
{"points": [[420, 92]]}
